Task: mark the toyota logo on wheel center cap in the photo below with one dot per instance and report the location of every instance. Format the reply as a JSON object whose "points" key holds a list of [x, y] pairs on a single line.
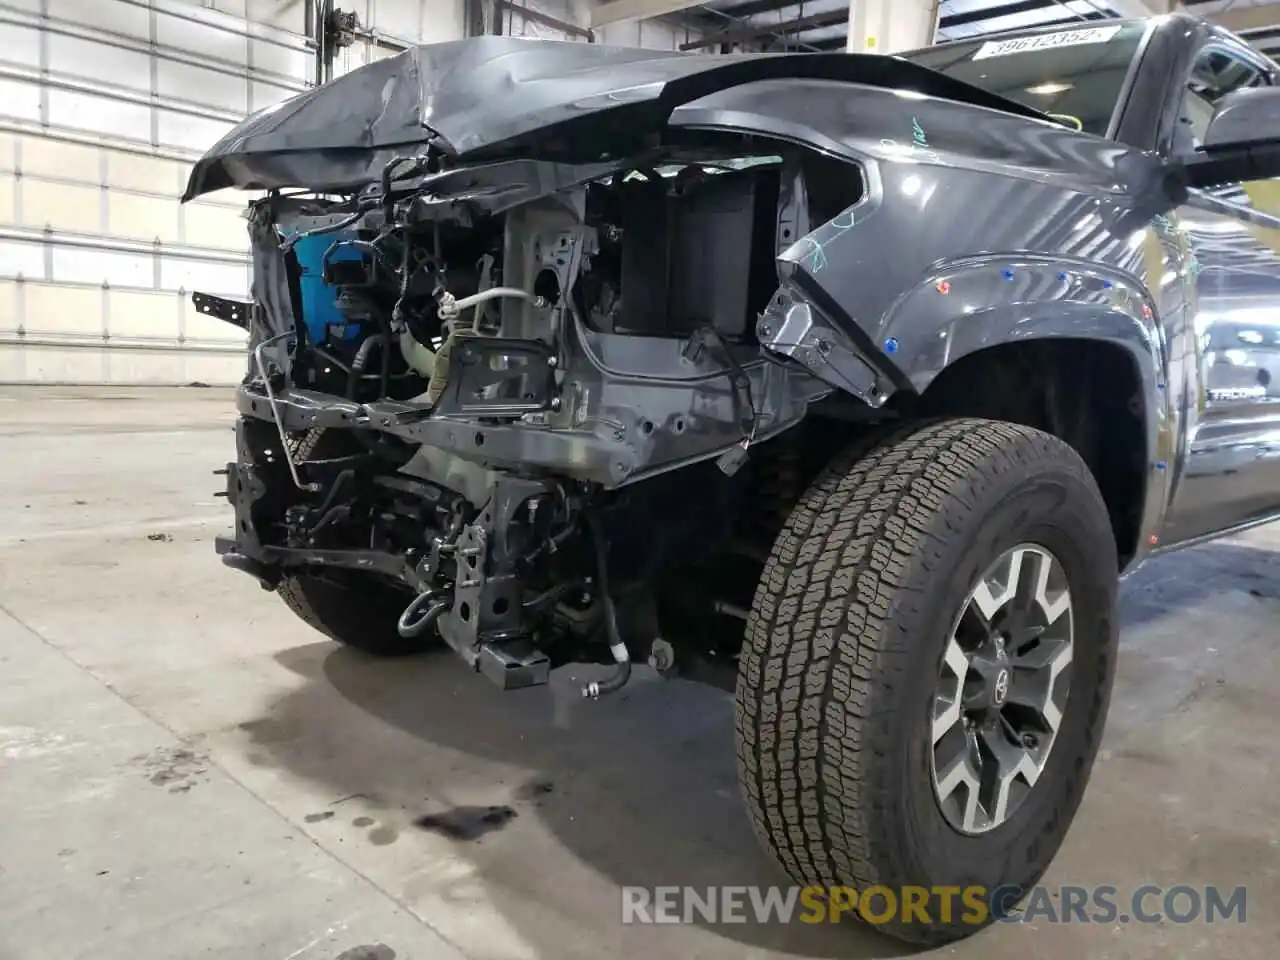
{"points": [[1001, 688]]}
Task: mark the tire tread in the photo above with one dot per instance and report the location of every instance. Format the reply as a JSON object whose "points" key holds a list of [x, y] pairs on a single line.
{"points": [[825, 632]]}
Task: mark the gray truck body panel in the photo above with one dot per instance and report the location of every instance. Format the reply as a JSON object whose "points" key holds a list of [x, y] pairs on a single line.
{"points": [[981, 224]]}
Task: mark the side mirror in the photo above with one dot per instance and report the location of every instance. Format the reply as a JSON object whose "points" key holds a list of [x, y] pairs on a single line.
{"points": [[1242, 141], [1245, 118]]}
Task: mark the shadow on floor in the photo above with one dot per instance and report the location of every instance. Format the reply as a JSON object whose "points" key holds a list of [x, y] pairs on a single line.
{"points": [[1172, 584], [640, 788]]}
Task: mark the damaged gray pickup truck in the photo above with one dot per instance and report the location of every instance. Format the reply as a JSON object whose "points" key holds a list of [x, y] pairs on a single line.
{"points": [[562, 352]]}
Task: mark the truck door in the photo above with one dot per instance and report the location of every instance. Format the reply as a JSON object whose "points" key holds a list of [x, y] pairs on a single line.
{"points": [[1228, 471]]}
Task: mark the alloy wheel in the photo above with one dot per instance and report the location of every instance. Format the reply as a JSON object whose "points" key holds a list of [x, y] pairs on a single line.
{"points": [[1002, 689]]}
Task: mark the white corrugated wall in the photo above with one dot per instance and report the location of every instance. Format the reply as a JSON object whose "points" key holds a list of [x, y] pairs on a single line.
{"points": [[103, 106]]}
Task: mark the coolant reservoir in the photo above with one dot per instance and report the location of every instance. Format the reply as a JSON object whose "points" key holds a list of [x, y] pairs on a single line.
{"points": [[320, 311]]}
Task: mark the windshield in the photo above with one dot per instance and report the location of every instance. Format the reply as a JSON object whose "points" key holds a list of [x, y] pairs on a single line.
{"points": [[1075, 74]]}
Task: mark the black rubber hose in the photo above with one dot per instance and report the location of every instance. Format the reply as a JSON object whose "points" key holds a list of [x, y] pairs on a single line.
{"points": [[391, 172], [618, 679], [328, 510], [340, 481], [331, 516], [550, 545], [552, 596], [362, 360]]}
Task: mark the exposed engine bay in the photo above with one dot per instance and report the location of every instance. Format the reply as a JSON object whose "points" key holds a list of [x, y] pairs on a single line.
{"points": [[530, 398]]}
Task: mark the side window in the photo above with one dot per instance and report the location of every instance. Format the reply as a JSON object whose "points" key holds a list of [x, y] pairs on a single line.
{"points": [[1217, 72]]}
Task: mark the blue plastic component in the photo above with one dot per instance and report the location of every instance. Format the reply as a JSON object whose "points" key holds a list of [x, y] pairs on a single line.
{"points": [[320, 311]]}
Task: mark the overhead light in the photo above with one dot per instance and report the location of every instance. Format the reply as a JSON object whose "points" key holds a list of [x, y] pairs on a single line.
{"points": [[1049, 89]]}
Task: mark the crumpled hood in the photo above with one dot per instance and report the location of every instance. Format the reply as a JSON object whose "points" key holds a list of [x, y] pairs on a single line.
{"points": [[492, 97]]}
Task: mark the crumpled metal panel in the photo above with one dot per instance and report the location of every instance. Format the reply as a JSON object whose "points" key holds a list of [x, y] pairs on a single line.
{"points": [[493, 97]]}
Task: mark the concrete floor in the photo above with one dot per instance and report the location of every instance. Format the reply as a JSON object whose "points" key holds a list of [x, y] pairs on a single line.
{"points": [[188, 771]]}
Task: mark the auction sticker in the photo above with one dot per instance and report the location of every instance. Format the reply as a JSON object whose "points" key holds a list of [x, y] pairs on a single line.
{"points": [[1046, 41]]}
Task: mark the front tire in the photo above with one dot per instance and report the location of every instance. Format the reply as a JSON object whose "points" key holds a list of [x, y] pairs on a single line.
{"points": [[361, 612], [844, 679]]}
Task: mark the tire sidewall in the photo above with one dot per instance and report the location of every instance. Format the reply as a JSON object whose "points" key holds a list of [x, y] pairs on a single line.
{"points": [[361, 614]]}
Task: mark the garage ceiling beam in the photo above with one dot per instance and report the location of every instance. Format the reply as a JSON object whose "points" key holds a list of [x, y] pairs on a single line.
{"points": [[1141, 8], [981, 14], [751, 32], [616, 11], [741, 11], [554, 23], [1241, 19]]}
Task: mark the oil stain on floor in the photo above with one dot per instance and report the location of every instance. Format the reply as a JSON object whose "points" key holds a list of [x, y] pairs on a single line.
{"points": [[467, 823]]}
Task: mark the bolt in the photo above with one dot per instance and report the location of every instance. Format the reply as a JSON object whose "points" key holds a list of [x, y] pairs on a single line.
{"points": [[552, 362], [555, 403], [661, 655], [1030, 741], [764, 331]]}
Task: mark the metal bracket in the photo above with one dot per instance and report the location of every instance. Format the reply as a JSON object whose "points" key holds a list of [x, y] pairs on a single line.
{"points": [[484, 625], [795, 330], [513, 664], [234, 312], [493, 377]]}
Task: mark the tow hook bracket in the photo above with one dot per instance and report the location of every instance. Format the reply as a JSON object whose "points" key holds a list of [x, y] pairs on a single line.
{"points": [[268, 577], [513, 664]]}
